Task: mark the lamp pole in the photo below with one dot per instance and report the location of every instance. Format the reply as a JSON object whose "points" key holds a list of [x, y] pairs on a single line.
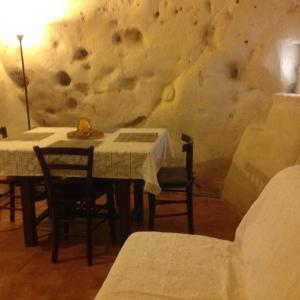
{"points": [[20, 37]]}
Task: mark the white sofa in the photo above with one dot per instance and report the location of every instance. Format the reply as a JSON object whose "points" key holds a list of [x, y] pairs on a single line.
{"points": [[262, 263]]}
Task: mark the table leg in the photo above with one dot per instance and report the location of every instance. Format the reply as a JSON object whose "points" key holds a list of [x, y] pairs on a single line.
{"points": [[123, 198], [28, 210]]}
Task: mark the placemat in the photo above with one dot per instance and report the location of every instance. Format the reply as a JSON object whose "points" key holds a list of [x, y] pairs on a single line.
{"points": [[143, 137], [29, 137], [75, 144]]}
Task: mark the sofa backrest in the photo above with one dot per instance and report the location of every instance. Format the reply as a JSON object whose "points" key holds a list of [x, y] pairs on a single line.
{"points": [[269, 237]]}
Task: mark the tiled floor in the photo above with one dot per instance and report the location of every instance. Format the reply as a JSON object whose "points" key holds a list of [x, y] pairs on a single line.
{"points": [[26, 273]]}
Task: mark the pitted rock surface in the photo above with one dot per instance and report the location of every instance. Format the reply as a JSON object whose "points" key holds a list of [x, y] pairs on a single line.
{"points": [[206, 68]]}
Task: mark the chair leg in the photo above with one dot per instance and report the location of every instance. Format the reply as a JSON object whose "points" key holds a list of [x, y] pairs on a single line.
{"points": [[117, 200], [138, 200], [89, 242], [66, 229], [111, 215], [189, 197], [55, 241], [89, 246], [152, 203], [12, 202]]}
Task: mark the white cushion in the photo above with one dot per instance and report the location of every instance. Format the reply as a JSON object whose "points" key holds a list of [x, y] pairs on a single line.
{"points": [[262, 263], [156, 265], [269, 235]]}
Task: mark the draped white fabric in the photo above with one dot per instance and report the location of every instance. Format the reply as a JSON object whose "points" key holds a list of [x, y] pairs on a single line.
{"points": [[270, 240], [125, 160], [262, 263]]}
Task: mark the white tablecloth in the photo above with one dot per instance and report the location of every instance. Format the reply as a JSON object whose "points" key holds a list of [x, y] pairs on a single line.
{"points": [[123, 160]]}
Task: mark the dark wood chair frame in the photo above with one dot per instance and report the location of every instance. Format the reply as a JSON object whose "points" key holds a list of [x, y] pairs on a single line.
{"points": [[11, 183], [185, 187], [70, 198]]}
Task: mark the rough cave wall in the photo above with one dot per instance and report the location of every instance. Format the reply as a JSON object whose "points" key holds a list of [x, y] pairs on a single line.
{"points": [[268, 145], [203, 67]]}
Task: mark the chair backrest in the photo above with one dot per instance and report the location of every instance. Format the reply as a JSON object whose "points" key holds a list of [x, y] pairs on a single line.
{"points": [[188, 148], [269, 239], [58, 163], [3, 132]]}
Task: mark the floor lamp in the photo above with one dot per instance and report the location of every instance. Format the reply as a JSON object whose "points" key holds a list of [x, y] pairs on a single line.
{"points": [[20, 37]]}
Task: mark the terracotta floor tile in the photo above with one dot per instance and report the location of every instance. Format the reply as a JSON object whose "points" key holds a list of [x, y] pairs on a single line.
{"points": [[27, 273]]}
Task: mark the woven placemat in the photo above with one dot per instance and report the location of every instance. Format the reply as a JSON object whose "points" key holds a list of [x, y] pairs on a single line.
{"points": [[75, 144], [142, 137], [29, 137]]}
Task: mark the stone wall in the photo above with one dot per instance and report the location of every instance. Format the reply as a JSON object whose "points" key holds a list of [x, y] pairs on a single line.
{"points": [[267, 146], [203, 67]]}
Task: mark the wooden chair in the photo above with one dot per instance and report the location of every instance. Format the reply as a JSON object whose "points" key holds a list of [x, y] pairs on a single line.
{"points": [[10, 183], [178, 180], [74, 198]]}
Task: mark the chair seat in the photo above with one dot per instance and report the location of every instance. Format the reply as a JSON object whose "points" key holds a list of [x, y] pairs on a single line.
{"points": [[8, 179], [3, 178], [172, 177], [76, 188]]}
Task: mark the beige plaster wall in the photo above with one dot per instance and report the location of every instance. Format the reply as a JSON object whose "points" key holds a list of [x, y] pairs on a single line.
{"points": [[267, 146], [203, 67]]}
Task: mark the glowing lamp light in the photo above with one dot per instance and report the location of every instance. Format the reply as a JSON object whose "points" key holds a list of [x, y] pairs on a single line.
{"points": [[19, 18], [28, 18], [289, 62]]}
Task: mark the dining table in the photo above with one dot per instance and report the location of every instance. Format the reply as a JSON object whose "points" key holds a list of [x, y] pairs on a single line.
{"points": [[125, 155]]}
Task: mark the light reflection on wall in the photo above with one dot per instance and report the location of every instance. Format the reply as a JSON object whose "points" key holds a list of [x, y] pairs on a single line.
{"points": [[30, 18], [289, 64]]}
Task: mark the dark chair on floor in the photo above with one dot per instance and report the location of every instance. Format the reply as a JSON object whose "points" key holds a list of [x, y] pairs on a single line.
{"points": [[9, 184], [178, 180], [73, 198]]}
